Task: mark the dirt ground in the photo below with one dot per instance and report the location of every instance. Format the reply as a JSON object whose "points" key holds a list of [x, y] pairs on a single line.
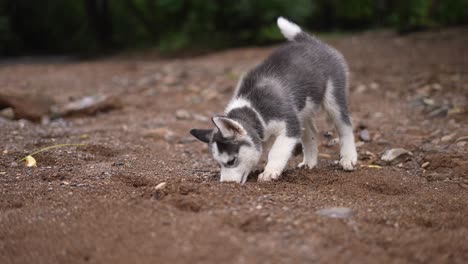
{"points": [[99, 203]]}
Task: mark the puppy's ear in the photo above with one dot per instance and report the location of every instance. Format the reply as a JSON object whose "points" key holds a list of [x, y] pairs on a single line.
{"points": [[203, 135], [228, 127]]}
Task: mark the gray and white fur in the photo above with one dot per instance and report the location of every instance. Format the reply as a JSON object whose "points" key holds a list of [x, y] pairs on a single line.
{"points": [[279, 99]]}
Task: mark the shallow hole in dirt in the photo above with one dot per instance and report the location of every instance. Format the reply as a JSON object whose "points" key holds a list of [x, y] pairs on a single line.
{"points": [[99, 150], [133, 180], [11, 204], [187, 204], [387, 188], [52, 176], [254, 223], [186, 189]]}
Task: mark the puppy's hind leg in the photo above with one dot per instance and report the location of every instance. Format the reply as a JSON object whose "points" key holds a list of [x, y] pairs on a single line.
{"points": [[335, 104], [309, 145]]}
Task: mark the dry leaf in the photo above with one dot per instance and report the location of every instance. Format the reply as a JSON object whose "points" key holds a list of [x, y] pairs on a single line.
{"points": [[30, 161]]}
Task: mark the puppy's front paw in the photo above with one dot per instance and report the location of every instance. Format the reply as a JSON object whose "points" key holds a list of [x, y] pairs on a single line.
{"points": [[348, 162], [307, 165], [269, 175]]}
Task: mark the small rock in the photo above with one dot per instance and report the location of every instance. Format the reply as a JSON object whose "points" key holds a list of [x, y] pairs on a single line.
{"points": [[162, 133], [27, 106], [182, 114], [209, 94], [374, 86], [425, 164], [201, 118], [437, 86], [448, 138], [361, 88], [160, 186], [460, 139], [194, 88], [367, 155], [118, 163], [378, 115], [417, 102], [439, 112], [89, 105], [364, 135], [360, 144], [456, 110], [195, 99], [78, 184], [8, 113], [187, 140], [158, 194], [461, 144], [395, 155], [428, 101], [336, 212]]}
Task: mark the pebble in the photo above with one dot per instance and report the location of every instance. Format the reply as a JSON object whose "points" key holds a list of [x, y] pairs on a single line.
{"points": [[8, 113], [336, 212], [187, 140], [460, 139], [378, 115], [209, 94], [27, 106], [448, 138], [201, 118], [364, 135], [374, 86], [425, 164], [439, 112], [160, 186], [437, 86], [360, 144], [89, 105], [367, 155], [361, 88], [162, 133], [395, 155], [118, 163], [428, 101], [182, 114]]}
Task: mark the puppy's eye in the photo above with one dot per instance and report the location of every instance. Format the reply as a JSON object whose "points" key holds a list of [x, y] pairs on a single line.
{"points": [[231, 162]]}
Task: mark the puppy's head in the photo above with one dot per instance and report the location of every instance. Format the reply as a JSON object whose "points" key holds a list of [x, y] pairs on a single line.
{"points": [[232, 147]]}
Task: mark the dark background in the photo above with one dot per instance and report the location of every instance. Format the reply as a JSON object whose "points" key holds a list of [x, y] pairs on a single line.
{"points": [[29, 27]]}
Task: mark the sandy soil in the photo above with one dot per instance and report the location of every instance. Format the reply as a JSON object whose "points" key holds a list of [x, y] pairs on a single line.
{"points": [[98, 203]]}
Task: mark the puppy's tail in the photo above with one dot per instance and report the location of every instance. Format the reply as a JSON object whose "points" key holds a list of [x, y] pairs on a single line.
{"points": [[293, 32]]}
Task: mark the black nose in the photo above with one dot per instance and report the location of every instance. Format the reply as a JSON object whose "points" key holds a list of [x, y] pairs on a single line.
{"points": [[231, 162]]}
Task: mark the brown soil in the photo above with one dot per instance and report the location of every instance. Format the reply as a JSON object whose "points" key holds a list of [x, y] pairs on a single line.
{"points": [[99, 204]]}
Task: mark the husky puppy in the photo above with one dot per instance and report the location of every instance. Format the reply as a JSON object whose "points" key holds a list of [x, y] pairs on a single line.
{"points": [[279, 98]]}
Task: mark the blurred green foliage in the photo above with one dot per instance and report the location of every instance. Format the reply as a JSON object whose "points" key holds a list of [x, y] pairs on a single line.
{"points": [[94, 26]]}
